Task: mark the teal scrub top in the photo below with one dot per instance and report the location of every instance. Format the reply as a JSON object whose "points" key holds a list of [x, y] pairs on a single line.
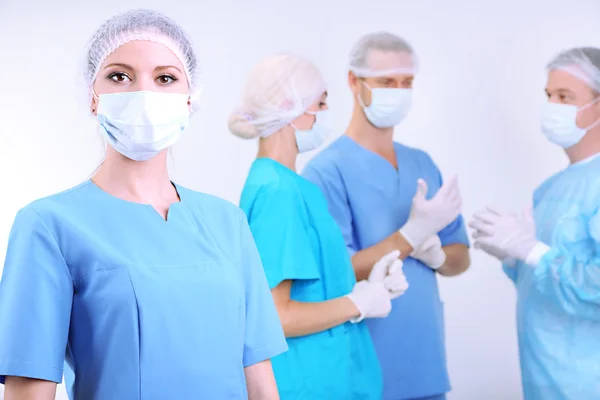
{"points": [[558, 300], [141, 307], [298, 240]]}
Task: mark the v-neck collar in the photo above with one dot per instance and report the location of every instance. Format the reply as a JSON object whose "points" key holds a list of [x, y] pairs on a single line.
{"points": [[118, 200], [375, 155]]}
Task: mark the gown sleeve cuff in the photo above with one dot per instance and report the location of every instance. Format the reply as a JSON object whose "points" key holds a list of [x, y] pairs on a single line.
{"points": [[535, 255], [509, 262]]}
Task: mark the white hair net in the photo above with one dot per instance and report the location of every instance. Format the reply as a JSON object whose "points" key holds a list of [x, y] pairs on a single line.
{"points": [[140, 25], [279, 89], [363, 64], [581, 62]]}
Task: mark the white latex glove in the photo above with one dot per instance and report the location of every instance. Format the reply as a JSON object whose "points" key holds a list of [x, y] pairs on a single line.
{"points": [[381, 268], [388, 270], [507, 235], [501, 255], [396, 282], [498, 253], [428, 217], [372, 300], [431, 253]]}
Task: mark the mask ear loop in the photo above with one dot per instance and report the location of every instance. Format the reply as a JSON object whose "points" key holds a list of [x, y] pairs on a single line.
{"points": [[588, 105], [309, 113], [360, 100]]}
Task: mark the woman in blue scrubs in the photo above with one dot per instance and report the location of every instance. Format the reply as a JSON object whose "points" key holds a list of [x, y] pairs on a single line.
{"points": [[321, 306], [152, 290]]}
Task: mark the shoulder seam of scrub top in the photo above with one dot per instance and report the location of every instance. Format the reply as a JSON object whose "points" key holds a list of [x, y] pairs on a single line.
{"points": [[54, 196], [55, 241], [421, 156], [274, 170], [277, 186], [286, 189], [317, 167], [335, 147]]}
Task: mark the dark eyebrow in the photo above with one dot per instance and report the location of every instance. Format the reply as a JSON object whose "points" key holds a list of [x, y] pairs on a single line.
{"points": [[163, 67], [129, 67], [119, 65], [325, 94]]}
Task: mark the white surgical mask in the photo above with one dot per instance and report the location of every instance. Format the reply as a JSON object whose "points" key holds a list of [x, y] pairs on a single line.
{"points": [[139, 125], [310, 139], [388, 106], [559, 123]]}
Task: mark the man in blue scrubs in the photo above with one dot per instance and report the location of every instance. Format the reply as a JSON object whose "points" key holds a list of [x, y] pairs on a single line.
{"points": [[386, 196]]}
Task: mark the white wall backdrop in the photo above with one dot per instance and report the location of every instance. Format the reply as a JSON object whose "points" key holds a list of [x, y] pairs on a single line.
{"points": [[477, 102]]}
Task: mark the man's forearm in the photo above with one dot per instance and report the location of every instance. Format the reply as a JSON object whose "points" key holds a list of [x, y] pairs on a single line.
{"points": [[457, 260], [364, 260]]}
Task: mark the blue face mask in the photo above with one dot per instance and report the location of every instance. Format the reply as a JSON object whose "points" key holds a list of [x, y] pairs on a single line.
{"points": [[310, 139]]}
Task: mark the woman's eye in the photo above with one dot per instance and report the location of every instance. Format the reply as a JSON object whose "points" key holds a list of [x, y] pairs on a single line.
{"points": [[119, 77], [166, 79]]}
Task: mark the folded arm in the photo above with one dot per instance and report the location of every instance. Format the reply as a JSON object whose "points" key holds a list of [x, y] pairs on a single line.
{"points": [[305, 318]]}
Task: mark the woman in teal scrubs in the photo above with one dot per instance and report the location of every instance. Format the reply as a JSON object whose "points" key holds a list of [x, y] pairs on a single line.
{"points": [[152, 290], [320, 304]]}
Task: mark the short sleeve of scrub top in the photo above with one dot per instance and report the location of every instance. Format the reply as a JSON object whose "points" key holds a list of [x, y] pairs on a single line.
{"points": [[264, 334], [275, 218], [37, 282]]}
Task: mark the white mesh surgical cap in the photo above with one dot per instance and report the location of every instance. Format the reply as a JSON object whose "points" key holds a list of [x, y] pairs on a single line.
{"points": [[581, 62], [370, 56], [139, 25], [279, 89]]}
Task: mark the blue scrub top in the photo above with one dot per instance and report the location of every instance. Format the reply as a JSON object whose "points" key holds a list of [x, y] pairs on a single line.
{"points": [[370, 200], [558, 300], [143, 308], [298, 240]]}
